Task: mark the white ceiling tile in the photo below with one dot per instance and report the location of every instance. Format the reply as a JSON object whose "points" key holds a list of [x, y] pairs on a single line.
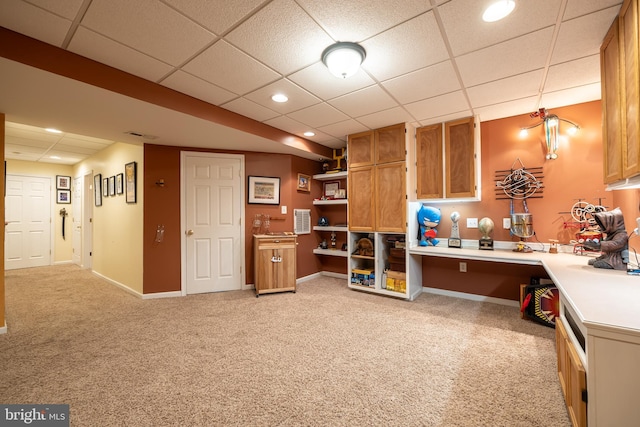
{"points": [[575, 95], [99, 48], [197, 88], [424, 83], [437, 106], [83, 150], [577, 8], [508, 109], [365, 101], [216, 15], [148, 26], [318, 80], [342, 129], [227, 67], [445, 118], [582, 36], [288, 125], [34, 22], [580, 72], [357, 20], [250, 109], [282, 36], [93, 144], [298, 98], [467, 31], [67, 9], [386, 118], [389, 55], [512, 57], [507, 89], [318, 115]]}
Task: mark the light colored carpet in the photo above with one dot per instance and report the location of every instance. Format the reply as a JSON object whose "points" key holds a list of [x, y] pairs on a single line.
{"points": [[324, 356]]}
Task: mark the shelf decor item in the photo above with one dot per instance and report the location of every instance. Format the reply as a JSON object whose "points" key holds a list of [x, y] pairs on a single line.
{"points": [[330, 188], [264, 190]]}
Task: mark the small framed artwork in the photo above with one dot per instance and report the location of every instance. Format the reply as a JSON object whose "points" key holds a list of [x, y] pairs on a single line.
{"points": [[330, 188], [63, 182], [120, 183], [130, 181], [64, 196], [112, 185], [304, 182], [97, 189], [264, 190], [105, 187]]}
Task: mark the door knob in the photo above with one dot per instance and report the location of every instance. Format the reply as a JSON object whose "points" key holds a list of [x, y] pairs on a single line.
{"points": [[189, 232]]}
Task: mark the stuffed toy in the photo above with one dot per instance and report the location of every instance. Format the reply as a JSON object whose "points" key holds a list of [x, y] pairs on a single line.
{"points": [[614, 247], [428, 220]]}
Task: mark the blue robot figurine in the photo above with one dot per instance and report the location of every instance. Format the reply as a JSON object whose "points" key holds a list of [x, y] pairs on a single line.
{"points": [[428, 220]]}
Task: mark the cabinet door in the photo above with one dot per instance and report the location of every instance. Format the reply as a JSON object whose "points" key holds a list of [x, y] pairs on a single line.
{"points": [[361, 199], [460, 158], [286, 265], [561, 351], [263, 268], [429, 162], [612, 122], [360, 149], [629, 73], [577, 384], [391, 199], [390, 144]]}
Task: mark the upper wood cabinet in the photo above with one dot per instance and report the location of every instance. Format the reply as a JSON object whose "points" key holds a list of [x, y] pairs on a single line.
{"points": [[360, 149], [628, 34], [362, 198], [452, 163], [391, 205], [429, 162], [390, 144]]}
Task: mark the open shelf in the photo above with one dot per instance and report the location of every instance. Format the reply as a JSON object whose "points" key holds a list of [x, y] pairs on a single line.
{"points": [[331, 252], [330, 202], [330, 176]]}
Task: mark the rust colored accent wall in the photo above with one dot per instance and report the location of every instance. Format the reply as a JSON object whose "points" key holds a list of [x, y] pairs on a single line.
{"points": [[498, 280], [2, 227]]}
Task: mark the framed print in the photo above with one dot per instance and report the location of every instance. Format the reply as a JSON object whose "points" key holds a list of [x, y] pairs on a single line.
{"points": [[304, 182], [63, 182], [105, 187], [264, 190], [130, 181], [112, 185], [330, 188], [120, 183], [97, 189], [64, 196]]}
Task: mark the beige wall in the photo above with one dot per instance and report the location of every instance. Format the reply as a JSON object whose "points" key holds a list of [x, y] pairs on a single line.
{"points": [[117, 225], [62, 248]]}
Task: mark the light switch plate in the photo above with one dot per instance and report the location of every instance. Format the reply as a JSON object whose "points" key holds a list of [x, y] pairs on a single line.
{"points": [[283, 210], [506, 223], [472, 222]]}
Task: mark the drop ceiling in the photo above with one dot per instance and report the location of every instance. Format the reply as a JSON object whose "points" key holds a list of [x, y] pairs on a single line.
{"points": [[427, 61]]}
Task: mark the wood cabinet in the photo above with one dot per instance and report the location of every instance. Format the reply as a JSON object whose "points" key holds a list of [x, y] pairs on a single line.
{"points": [[360, 149], [274, 263], [446, 170], [391, 196], [390, 144], [620, 80], [362, 200], [572, 376], [336, 212]]}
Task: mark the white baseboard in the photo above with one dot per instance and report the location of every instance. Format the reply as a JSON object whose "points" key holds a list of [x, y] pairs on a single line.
{"points": [[118, 284], [473, 297], [320, 274], [3, 329], [155, 295], [63, 262]]}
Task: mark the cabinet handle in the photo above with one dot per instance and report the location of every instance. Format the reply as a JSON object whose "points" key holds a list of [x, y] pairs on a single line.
{"points": [[276, 259]]}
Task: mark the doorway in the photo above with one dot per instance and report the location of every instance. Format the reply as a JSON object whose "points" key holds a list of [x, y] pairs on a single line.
{"points": [[212, 200], [28, 222], [81, 220]]}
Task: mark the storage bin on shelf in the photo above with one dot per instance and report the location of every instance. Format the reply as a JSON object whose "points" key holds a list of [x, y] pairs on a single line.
{"points": [[396, 281], [364, 277]]}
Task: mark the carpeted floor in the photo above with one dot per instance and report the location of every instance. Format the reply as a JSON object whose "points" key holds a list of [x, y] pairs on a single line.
{"points": [[324, 356]]}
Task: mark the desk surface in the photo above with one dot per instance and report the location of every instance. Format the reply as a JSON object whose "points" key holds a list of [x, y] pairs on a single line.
{"points": [[606, 298]]}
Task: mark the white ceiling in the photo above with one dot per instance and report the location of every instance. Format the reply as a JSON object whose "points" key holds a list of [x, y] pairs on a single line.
{"points": [[427, 61]]}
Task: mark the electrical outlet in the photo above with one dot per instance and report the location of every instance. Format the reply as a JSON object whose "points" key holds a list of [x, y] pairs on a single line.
{"points": [[463, 267], [472, 222], [506, 223]]}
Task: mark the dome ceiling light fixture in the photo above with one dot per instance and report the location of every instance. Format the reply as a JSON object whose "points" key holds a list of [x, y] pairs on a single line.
{"points": [[343, 59], [498, 10]]}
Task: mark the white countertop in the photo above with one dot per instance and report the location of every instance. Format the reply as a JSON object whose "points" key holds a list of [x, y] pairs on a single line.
{"points": [[600, 297]]}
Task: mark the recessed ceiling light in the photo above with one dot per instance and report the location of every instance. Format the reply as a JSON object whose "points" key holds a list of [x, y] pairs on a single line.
{"points": [[309, 133], [279, 97], [498, 10], [55, 157], [52, 130]]}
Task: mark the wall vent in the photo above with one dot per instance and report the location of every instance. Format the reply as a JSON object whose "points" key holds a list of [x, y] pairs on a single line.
{"points": [[302, 221]]}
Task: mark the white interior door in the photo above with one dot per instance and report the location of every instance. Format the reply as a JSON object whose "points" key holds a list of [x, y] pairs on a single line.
{"points": [[28, 216], [76, 220], [213, 204]]}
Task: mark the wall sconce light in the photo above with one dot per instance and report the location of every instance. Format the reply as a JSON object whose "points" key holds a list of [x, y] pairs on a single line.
{"points": [[551, 124], [343, 59]]}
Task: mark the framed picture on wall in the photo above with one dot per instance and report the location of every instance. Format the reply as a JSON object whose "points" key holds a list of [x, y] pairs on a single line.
{"points": [[304, 182], [130, 181], [63, 196], [63, 182], [264, 190], [97, 189], [112, 185], [105, 187], [120, 183]]}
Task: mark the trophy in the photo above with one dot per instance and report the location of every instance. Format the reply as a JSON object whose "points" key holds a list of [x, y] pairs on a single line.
{"points": [[454, 240], [486, 227]]}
